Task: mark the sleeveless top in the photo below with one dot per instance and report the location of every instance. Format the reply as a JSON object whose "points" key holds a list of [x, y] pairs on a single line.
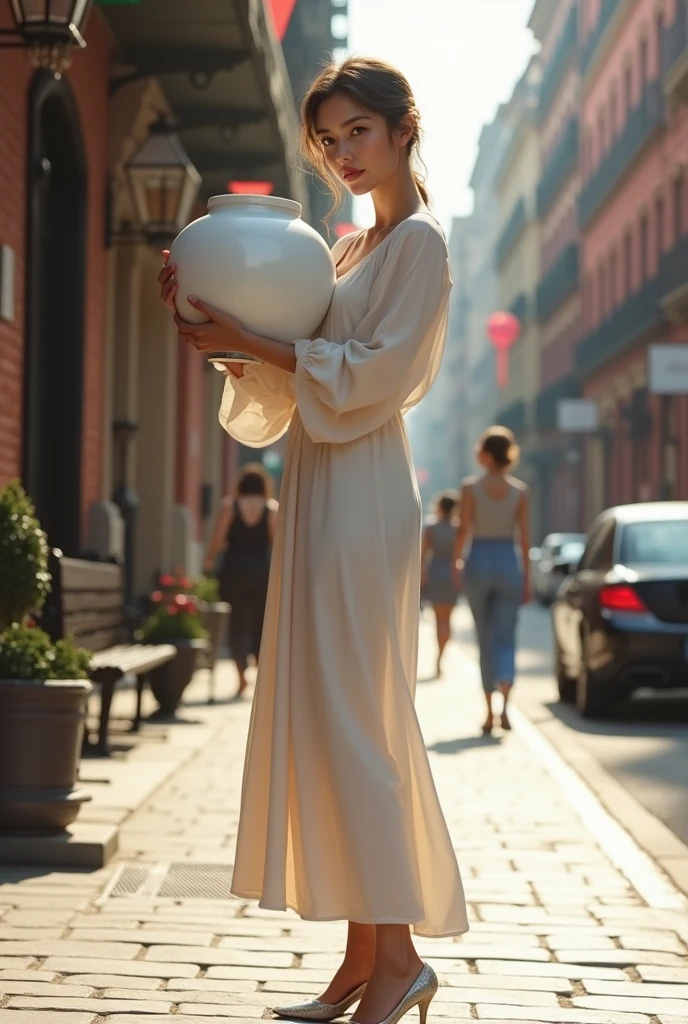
{"points": [[442, 535], [495, 518], [245, 543]]}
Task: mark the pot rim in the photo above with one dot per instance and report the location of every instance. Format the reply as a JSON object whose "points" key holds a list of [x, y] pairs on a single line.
{"points": [[277, 202], [55, 684]]}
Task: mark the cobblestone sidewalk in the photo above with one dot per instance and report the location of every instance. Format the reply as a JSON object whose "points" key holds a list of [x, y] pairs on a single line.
{"points": [[558, 933]]}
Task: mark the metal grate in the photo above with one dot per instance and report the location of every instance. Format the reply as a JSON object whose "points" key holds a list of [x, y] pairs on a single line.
{"points": [[178, 880]]}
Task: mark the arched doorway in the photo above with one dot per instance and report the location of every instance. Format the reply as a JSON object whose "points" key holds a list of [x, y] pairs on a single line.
{"points": [[56, 257]]}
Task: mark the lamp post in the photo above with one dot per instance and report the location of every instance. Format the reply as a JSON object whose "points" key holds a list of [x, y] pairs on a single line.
{"points": [[48, 30], [164, 184]]}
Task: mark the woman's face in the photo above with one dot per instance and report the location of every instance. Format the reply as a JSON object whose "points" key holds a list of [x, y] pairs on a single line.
{"points": [[357, 144]]}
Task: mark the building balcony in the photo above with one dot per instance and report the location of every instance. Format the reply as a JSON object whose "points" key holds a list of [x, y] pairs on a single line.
{"points": [[561, 58], [675, 54], [560, 166], [590, 46], [520, 307], [559, 283], [512, 232], [513, 416], [637, 316], [548, 400], [641, 126]]}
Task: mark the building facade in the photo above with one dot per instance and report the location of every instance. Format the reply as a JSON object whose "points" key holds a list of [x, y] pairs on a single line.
{"points": [[109, 422], [557, 459], [634, 238]]}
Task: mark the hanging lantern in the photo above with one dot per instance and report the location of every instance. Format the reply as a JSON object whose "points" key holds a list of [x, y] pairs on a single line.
{"points": [[503, 330], [48, 29], [164, 184]]}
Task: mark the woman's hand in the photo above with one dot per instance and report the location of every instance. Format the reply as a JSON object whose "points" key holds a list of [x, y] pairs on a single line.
{"points": [[220, 334], [457, 569], [168, 282]]}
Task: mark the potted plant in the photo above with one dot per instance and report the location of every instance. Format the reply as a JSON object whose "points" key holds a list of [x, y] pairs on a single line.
{"points": [[44, 687], [214, 616], [175, 619]]}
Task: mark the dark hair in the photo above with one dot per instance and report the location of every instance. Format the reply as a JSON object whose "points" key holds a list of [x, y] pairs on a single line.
{"points": [[377, 86], [254, 479], [500, 444], [446, 503]]}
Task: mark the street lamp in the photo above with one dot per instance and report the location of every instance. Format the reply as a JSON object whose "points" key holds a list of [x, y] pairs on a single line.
{"points": [[47, 30], [163, 183]]}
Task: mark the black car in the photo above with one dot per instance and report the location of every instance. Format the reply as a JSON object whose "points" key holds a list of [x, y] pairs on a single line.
{"points": [[621, 617]]}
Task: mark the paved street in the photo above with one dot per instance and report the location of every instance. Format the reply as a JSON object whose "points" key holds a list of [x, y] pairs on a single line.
{"points": [[644, 748], [559, 932]]}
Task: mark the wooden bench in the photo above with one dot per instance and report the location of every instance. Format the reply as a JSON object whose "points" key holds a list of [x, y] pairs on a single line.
{"points": [[87, 603]]}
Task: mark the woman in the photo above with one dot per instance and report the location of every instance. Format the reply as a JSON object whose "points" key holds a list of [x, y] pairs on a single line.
{"points": [[340, 818], [438, 583], [244, 532], [494, 508]]}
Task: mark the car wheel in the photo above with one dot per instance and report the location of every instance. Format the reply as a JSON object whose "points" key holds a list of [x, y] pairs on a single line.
{"points": [[565, 684], [593, 700]]}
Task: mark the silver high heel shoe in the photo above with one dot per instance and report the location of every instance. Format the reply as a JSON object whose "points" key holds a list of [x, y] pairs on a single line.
{"points": [[421, 994], [315, 1010]]}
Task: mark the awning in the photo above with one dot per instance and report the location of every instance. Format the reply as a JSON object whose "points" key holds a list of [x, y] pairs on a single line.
{"points": [[221, 68]]}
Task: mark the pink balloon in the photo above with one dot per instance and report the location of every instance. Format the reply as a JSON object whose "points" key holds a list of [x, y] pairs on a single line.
{"points": [[503, 330]]}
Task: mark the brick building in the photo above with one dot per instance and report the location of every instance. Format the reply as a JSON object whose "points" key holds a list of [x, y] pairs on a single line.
{"points": [[96, 395]]}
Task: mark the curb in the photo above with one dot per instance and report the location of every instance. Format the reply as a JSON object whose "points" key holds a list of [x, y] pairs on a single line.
{"points": [[650, 834]]}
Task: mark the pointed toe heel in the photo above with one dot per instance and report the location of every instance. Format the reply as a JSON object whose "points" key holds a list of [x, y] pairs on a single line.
{"points": [[315, 1010]]}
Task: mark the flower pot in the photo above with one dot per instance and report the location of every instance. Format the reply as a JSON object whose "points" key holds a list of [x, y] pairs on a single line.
{"points": [[41, 731], [253, 257], [169, 681], [214, 617]]}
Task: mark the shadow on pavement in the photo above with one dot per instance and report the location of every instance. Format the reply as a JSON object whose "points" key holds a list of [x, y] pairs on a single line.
{"points": [[461, 743]]}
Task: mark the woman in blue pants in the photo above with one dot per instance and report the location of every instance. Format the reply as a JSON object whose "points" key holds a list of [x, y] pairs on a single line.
{"points": [[494, 513]]}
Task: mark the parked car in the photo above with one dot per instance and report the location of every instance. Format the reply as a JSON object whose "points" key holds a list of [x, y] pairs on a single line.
{"points": [[621, 619], [555, 548]]}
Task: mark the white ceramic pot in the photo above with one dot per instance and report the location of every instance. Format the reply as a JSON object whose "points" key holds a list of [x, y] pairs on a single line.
{"points": [[253, 257]]}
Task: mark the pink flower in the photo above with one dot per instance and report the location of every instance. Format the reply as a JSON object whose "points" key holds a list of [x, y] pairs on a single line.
{"points": [[181, 600], [166, 581], [156, 596], [171, 609]]}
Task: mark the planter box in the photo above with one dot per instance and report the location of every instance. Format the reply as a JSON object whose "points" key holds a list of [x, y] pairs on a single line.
{"points": [[41, 732]]}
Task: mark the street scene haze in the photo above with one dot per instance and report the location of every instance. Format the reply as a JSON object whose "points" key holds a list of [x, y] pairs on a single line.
{"points": [[344, 511]]}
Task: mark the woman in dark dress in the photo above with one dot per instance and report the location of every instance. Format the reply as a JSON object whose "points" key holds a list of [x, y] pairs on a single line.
{"points": [[243, 534], [438, 585]]}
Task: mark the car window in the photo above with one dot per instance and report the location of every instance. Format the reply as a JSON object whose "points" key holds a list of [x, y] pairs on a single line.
{"points": [[571, 552], [603, 557], [664, 542], [586, 561]]}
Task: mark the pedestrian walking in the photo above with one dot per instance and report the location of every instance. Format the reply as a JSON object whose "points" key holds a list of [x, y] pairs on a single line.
{"points": [[239, 553], [494, 514], [340, 818], [438, 582]]}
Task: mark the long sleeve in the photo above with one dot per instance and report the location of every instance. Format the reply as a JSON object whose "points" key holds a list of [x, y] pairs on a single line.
{"points": [[344, 391], [256, 409]]}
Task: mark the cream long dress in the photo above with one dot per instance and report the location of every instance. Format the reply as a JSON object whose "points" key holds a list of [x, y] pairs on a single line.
{"points": [[340, 818]]}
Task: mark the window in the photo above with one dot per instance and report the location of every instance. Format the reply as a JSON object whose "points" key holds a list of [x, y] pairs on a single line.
{"points": [[659, 227], [678, 207], [643, 239], [588, 302], [601, 292], [613, 113], [613, 280], [601, 135], [628, 90], [628, 264], [600, 547], [644, 56], [659, 36], [664, 542]]}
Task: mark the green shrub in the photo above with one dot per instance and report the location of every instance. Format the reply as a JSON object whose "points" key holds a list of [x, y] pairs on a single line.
{"points": [[28, 653], [206, 588], [24, 576]]}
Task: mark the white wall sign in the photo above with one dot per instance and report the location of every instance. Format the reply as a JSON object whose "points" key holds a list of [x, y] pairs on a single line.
{"points": [[577, 415], [667, 369]]}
